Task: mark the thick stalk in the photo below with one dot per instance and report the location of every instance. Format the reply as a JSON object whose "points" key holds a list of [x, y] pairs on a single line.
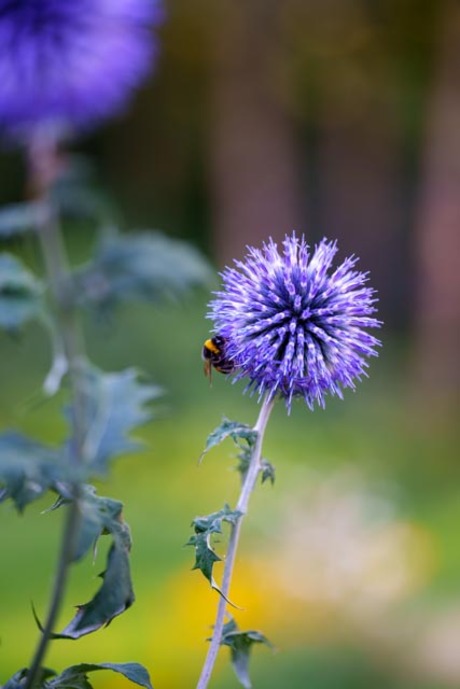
{"points": [[242, 506], [43, 168]]}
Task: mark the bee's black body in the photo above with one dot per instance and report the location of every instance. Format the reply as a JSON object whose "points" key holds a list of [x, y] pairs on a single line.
{"points": [[213, 355]]}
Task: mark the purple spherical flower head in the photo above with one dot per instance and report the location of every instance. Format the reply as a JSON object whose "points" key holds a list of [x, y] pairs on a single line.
{"points": [[292, 324], [70, 63]]}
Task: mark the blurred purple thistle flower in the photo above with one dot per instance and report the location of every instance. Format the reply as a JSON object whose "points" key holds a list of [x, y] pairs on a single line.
{"points": [[70, 63], [292, 325]]}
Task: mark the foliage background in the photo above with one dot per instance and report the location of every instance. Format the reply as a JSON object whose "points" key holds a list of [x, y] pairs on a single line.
{"points": [[350, 563]]}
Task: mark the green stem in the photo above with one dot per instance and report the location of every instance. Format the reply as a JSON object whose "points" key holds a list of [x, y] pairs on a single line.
{"points": [[60, 580], [242, 506], [43, 165]]}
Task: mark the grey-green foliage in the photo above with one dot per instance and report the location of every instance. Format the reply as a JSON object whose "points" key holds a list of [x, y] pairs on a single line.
{"points": [[28, 469], [140, 265], [19, 218], [101, 516], [230, 429], [114, 403], [205, 529], [240, 644], [103, 407], [75, 677], [21, 293], [245, 439]]}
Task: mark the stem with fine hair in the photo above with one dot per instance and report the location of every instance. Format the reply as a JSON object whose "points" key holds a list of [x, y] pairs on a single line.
{"points": [[242, 507], [43, 164]]}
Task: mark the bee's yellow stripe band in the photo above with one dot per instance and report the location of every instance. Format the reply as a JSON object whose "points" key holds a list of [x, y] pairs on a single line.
{"points": [[209, 344]]}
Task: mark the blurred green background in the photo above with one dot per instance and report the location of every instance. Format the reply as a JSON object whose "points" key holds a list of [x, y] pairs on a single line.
{"points": [[337, 118]]}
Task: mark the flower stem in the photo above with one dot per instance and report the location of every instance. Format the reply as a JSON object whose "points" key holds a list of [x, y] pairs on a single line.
{"points": [[43, 161], [242, 506]]}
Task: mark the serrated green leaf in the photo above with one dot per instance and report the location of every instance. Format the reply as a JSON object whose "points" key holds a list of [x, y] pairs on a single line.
{"points": [[19, 218], [18, 679], [113, 597], [20, 293], [230, 429], [143, 265], [244, 459], [76, 194], [268, 472], [98, 515], [27, 469], [240, 644], [101, 515], [212, 523], [205, 527], [114, 403], [205, 555], [75, 680], [75, 677], [238, 432]]}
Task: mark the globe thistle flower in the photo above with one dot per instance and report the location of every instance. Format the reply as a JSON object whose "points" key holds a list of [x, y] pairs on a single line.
{"points": [[294, 326], [70, 63]]}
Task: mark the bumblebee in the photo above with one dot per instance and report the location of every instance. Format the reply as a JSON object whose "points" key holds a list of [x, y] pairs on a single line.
{"points": [[213, 355]]}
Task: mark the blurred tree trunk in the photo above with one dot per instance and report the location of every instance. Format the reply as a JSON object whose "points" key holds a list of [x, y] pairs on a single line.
{"points": [[254, 167], [359, 160], [437, 349], [359, 153]]}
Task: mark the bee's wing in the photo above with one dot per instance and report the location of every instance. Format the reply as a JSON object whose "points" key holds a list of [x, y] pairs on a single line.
{"points": [[207, 368]]}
